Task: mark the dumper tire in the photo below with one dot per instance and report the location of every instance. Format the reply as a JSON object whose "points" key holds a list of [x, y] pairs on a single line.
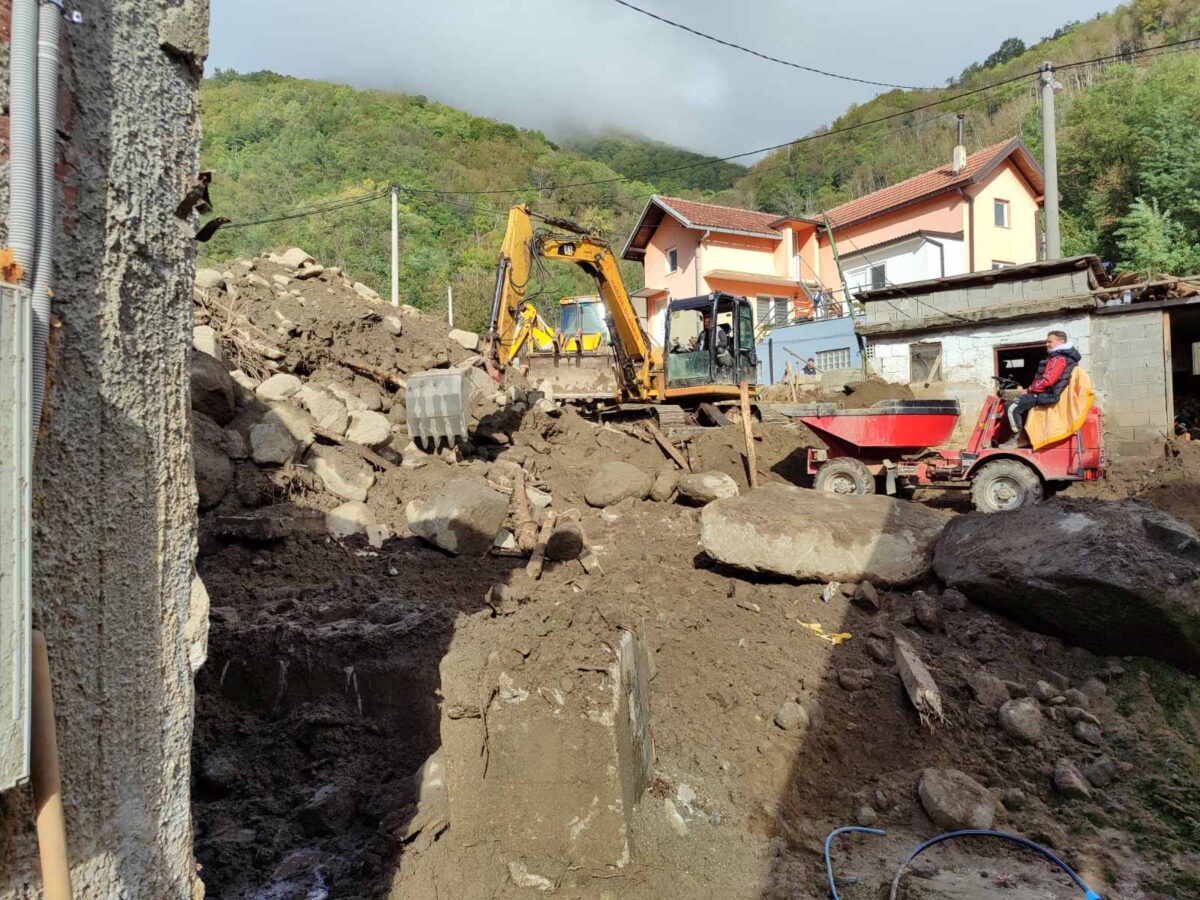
{"points": [[845, 475], [1004, 485]]}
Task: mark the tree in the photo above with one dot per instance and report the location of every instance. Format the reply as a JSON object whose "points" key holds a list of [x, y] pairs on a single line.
{"points": [[1011, 48], [1152, 242]]}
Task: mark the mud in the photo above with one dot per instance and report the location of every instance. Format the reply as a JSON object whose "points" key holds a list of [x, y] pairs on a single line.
{"points": [[322, 696]]}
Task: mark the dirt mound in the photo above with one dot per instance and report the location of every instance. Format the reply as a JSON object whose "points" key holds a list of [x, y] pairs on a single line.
{"points": [[858, 395], [1171, 482]]}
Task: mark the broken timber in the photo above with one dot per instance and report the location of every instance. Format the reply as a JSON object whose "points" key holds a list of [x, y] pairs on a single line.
{"points": [[922, 689], [538, 559]]}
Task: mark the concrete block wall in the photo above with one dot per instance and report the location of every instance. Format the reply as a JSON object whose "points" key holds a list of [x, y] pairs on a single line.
{"points": [[976, 297], [114, 494], [967, 355], [1130, 378]]}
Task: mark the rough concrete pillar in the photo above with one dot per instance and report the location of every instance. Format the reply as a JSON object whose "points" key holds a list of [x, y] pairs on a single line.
{"points": [[114, 496]]}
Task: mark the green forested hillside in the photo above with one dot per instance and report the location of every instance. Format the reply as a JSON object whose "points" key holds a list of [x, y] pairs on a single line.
{"points": [[276, 144], [632, 156], [1129, 151]]}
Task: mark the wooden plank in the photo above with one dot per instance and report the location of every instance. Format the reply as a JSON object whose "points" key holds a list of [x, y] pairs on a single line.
{"points": [[538, 559], [354, 447], [670, 449], [524, 527], [918, 682], [751, 456]]}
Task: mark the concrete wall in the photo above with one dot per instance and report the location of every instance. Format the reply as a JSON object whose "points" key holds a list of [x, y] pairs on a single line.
{"points": [[754, 256], [1123, 352], [967, 352], [968, 362], [1131, 378], [114, 521], [972, 298]]}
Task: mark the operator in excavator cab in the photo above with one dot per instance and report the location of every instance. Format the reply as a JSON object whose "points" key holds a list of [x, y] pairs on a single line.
{"points": [[1052, 379]]}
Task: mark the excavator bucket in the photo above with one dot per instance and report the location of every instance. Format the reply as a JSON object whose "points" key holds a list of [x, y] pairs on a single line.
{"points": [[575, 376], [437, 406]]}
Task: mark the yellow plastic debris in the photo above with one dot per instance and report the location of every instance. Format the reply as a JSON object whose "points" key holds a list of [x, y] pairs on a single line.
{"points": [[815, 628]]}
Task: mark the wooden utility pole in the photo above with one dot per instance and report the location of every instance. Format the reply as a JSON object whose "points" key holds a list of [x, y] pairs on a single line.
{"points": [[1050, 161], [395, 249], [751, 456]]}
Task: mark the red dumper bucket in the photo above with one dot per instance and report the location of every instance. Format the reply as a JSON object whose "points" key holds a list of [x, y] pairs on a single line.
{"points": [[889, 428]]}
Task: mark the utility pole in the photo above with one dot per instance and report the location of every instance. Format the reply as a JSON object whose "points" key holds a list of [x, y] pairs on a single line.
{"points": [[1050, 161], [395, 250], [450, 305]]}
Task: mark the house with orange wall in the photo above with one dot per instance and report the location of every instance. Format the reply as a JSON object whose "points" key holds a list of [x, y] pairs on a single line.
{"points": [[980, 211]]}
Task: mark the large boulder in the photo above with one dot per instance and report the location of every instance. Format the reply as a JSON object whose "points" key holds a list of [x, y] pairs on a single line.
{"points": [[344, 475], [270, 445], [327, 410], [1117, 577], [705, 487], [214, 472], [462, 516], [278, 387], [294, 421], [955, 800], [371, 429], [352, 517], [212, 388], [812, 535], [615, 481]]}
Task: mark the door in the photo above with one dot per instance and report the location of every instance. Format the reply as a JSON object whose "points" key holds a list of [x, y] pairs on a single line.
{"points": [[747, 356]]}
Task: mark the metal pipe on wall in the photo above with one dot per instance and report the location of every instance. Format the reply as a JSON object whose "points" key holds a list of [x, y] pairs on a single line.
{"points": [[49, 35], [22, 144]]}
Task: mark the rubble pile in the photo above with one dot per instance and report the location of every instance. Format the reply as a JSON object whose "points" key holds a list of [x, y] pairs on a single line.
{"points": [[409, 646]]}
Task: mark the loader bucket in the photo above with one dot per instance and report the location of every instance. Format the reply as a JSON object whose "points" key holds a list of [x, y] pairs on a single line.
{"points": [[575, 376], [438, 405]]}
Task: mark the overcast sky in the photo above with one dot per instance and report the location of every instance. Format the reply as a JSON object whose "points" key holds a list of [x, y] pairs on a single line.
{"points": [[569, 65]]}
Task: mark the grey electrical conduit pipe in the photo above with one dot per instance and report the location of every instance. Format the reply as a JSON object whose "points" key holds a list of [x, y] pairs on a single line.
{"points": [[32, 224], [50, 18]]}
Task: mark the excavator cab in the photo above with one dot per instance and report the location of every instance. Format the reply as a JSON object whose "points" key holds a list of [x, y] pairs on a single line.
{"points": [[582, 325], [710, 345]]}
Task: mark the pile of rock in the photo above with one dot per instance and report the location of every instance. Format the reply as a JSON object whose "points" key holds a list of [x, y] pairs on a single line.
{"points": [[297, 377]]}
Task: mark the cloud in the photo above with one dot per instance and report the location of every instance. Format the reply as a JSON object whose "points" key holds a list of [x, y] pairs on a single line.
{"points": [[567, 66]]}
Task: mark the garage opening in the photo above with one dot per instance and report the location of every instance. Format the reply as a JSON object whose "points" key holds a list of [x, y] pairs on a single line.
{"points": [[1019, 361], [1184, 329]]}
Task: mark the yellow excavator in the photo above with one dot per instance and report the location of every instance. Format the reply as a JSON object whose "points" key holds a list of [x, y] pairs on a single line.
{"points": [[703, 363], [581, 328]]}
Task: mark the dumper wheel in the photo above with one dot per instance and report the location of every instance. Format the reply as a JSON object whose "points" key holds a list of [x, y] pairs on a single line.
{"points": [[845, 475], [1005, 484]]}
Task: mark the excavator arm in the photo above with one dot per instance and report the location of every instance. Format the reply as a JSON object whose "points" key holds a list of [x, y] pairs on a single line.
{"points": [[522, 245]]}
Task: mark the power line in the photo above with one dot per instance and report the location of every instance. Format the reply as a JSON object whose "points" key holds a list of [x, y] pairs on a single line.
{"points": [[774, 59], [315, 210]]}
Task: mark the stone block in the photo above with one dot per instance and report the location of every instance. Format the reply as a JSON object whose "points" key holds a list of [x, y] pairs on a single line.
{"points": [[546, 774]]}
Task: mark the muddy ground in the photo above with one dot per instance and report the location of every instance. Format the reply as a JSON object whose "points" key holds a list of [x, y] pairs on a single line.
{"points": [[322, 695]]}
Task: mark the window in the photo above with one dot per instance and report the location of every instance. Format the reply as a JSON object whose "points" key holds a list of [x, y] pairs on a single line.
{"points": [[833, 359], [1001, 264], [925, 362], [672, 260], [1001, 213], [771, 310], [878, 276]]}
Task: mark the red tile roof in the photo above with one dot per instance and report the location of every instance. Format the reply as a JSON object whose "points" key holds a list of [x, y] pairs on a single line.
{"points": [[936, 181], [726, 218]]}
